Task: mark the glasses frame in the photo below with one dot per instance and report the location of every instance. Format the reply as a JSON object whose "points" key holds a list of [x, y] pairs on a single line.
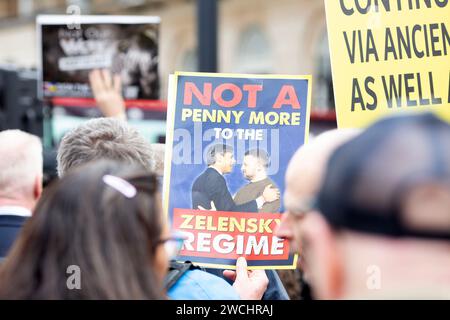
{"points": [[173, 238]]}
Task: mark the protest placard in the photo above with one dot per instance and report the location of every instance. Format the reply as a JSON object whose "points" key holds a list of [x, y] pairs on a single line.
{"points": [[71, 46], [389, 57], [126, 45], [214, 122]]}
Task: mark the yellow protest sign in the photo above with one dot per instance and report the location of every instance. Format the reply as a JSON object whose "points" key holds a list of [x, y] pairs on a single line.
{"points": [[389, 56]]}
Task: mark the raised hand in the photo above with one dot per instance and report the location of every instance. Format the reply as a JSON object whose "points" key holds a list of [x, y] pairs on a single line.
{"points": [[107, 91]]}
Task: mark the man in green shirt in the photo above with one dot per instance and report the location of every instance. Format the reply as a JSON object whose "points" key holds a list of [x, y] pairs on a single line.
{"points": [[254, 169]]}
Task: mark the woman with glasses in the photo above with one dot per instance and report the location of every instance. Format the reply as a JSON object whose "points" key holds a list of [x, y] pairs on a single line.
{"points": [[98, 233]]}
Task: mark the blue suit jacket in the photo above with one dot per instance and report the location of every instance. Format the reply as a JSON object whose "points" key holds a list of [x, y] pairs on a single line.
{"points": [[10, 227]]}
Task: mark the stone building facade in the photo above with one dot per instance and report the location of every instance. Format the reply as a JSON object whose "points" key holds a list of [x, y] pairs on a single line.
{"points": [[254, 36]]}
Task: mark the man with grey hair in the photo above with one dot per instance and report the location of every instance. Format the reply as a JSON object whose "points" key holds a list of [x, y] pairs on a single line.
{"points": [[20, 182], [103, 138], [157, 153]]}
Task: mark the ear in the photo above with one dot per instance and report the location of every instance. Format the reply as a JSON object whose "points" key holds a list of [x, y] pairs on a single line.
{"points": [[37, 188], [426, 208], [260, 167], [322, 259], [219, 158]]}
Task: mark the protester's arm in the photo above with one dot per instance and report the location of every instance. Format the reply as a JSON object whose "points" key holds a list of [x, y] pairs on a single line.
{"points": [[249, 284], [107, 91]]}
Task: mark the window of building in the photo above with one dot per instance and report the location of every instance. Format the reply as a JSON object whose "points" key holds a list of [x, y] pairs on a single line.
{"points": [[254, 54], [25, 8], [189, 61]]}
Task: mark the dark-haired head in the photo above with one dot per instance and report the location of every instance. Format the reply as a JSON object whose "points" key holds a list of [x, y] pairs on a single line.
{"points": [[220, 156], [110, 234], [215, 150]]}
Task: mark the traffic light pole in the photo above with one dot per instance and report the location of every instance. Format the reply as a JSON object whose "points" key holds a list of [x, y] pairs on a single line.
{"points": [[207, 35]]}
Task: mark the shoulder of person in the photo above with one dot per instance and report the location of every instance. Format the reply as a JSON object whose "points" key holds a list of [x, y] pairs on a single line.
{"points": [[270, 181], [244, 188], [214, 176], [12, 220], [200, 285], [204, 177]]}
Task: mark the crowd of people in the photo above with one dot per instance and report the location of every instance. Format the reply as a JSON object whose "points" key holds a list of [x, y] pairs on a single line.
{"points": [[368, 212]]}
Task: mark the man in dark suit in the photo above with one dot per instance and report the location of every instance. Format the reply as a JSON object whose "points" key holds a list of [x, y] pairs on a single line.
{"points": [[210, 188], [20, 183]]}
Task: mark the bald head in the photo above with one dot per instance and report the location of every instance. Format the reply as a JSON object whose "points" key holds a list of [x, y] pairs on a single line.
{"points": [[303, 179], [306, 168], [20, 164]]}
